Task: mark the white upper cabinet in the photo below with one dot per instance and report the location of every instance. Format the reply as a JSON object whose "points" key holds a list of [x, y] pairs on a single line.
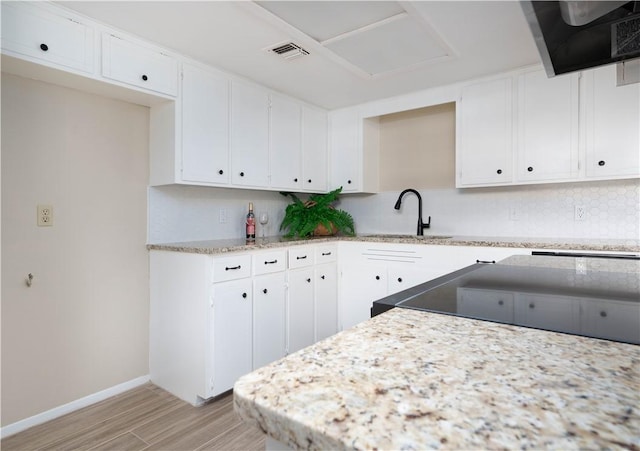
{"points": [[345, 133], [249, 135], [314, 150], [62, 39], [205, 126], [485, 133], [285, 138], [138, 65], [612, 125], [547, 127]]}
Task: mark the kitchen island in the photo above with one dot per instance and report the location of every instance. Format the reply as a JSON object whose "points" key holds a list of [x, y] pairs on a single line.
{"points": [[408, 379]]}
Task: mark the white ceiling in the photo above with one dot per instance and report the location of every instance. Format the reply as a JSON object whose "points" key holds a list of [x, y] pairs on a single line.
{"points": [[359, 51]]}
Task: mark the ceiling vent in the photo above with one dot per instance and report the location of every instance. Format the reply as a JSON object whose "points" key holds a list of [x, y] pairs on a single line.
{"points": [[289, 51]]}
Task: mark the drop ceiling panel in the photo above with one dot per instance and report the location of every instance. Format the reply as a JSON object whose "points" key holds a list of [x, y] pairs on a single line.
{"points": [[324, 20], [392, 46]]}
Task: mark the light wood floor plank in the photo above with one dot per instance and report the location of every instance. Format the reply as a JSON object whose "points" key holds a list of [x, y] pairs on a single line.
{"points": [[146, 418]]}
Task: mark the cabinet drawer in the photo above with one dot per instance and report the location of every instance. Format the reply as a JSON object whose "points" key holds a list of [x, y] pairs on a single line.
{"points": [[139, 66], [268, 262], [300, 256], [326, 253], [37, 33], [232, 267]]}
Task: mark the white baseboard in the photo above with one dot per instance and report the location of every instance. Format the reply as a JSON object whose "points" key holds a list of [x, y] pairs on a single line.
{"points": [[72, 406]]}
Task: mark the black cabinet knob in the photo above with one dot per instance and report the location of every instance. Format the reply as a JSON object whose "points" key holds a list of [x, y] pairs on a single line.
{"points": [[601, 163], [499, 171], [532, 305], [603, 314], [264, 291], [309, 181], [244, 295], [145, 78], [530, 169], [500, 302], [399, 279], [349, 182], [220, 172], [295, 180], [377, 277], [322, 277], [242, 174], [308, 280], [44, 47]]}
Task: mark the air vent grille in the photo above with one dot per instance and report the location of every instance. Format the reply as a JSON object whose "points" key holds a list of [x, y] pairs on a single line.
{"points": [[289, 51], [625, 39]]}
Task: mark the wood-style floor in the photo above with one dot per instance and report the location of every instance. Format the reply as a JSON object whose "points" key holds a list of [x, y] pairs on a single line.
{"points": [[145, 418]]}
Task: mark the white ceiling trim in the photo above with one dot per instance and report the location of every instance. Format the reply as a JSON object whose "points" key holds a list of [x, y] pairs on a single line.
{"points": [[364, 29]]}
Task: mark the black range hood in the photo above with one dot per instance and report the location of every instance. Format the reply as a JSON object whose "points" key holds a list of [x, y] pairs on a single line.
{"points": [[573, 35]]}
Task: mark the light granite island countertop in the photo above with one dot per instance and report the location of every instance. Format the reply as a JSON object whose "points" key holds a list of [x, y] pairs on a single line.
{"points": [[408, 379]]}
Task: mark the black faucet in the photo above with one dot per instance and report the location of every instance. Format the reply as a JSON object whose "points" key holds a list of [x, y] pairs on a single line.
{"points": [[421, 225]]}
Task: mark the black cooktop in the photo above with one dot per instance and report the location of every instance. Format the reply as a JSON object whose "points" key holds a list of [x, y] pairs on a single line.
{"points": [[594, 297]]}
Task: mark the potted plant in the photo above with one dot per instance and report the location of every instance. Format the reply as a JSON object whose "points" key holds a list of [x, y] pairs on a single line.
{"points": [[316, 216]]}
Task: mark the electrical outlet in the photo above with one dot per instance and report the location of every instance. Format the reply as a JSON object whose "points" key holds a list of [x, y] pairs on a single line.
{"points": [[580, 213], [45, 215], [223, 216]]}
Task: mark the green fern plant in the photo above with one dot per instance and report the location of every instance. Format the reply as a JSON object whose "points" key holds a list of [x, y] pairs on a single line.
{"points": [[302, 218]]}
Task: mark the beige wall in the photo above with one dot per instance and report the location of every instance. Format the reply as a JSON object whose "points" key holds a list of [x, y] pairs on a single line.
{"points": [[417, 149], [83, 325]]}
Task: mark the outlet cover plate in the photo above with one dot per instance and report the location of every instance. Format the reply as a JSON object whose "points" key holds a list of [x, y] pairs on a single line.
{"points": [[45, 215]]}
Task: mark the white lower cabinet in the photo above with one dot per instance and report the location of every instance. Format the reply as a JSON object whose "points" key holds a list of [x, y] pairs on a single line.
{"points": [[361, 285], [269, 303], [596, 317], [326, 300], [494, 305], [231, 333], [547, 312], [301, 309]]}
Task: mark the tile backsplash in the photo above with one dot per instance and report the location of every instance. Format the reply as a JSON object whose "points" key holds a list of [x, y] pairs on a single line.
{"points": [[612, 211]]}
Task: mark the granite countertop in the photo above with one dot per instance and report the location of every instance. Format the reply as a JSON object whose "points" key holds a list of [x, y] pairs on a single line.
{"points": [[239, 245], [408, 379]]}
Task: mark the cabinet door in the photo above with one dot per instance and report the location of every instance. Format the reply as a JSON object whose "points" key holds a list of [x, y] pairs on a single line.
{"points": [[326, 300], [598, 316], [268, 319], [300, 310], [493, 305], [249, 135], [34, 32], [231, 333], [205, 126], [561, 314], [612, 125], [285, 138], [137, 65], [314, 150], [547, 127], [485, 134], [360, 286], [346, 158]]}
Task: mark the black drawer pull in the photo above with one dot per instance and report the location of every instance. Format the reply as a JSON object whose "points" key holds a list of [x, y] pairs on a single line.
{"points": [[377, 277], [530, 169], [227, 268], [309, 280], [242, 174], [264, 291], [301, 258], [499, 171], [601, 163], [220, 172], [349, 182], [244, 295], [145, 78], [322, 277], [309, 180], [485, 261], [44, 47], [326, 253], [271, 262], [603, 314], [400, 279], [295, 180]]}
